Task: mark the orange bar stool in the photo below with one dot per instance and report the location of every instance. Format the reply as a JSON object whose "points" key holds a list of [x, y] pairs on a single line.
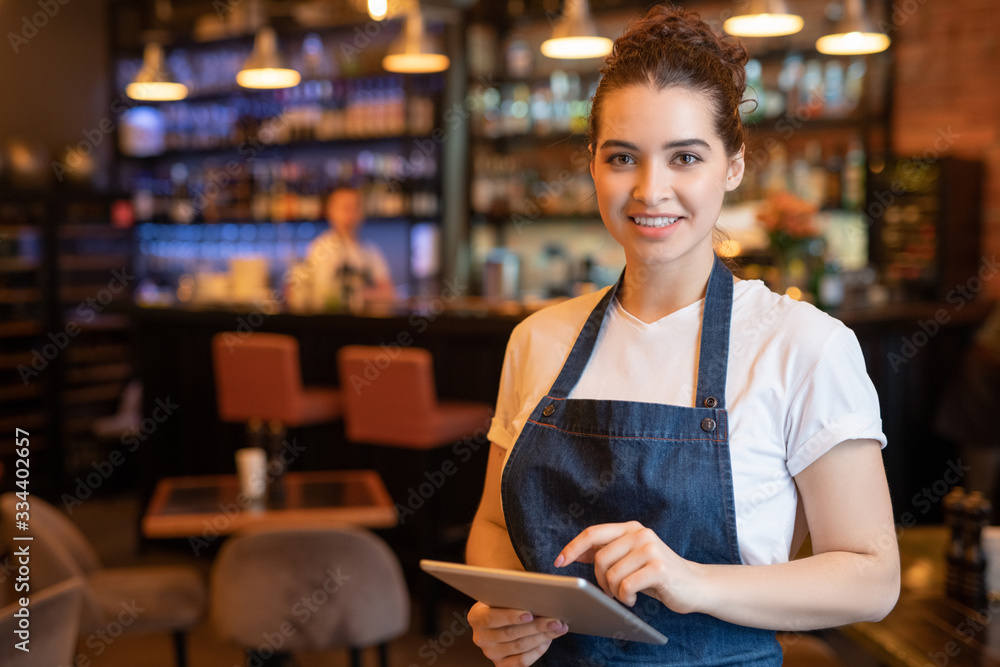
{"points": [[390, 399], [258, 380]]}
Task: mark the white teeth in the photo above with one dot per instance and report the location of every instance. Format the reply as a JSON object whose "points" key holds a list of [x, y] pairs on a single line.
{"points": [[654, 222]]}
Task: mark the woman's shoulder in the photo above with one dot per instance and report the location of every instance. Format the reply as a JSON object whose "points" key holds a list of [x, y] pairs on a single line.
{"points": [[559, 321], [761, 316]]}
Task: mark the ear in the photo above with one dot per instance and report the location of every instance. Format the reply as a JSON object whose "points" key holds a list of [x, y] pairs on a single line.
{"points": [[592, 160], [734, 173]]}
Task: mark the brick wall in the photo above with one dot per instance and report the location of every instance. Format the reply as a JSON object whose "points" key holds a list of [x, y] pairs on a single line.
{"points": [[948, 85]]}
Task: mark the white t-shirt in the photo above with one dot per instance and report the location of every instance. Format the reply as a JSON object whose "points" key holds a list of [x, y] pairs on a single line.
{"points": [[796, 387], [328, 254]]}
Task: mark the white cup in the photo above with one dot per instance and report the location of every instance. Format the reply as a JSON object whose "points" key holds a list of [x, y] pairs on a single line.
{"points": [[251, 469], [991, 551]]}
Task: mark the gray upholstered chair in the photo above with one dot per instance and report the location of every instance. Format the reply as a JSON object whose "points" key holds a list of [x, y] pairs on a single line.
{"points": [[55, 622], [172, 598], [279, 591]]}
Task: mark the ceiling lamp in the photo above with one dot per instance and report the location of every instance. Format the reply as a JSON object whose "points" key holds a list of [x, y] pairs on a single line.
{"points": [[575, 36], [854, 34], [265, 68], [765, 18], [378, 9], [414, 52], [154, 83]]}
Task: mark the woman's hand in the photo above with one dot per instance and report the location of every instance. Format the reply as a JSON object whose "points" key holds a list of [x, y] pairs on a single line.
{"points": [[512, 637], [629, 558]]}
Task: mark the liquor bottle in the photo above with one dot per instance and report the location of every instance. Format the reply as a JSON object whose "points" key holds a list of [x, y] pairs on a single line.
{"points": [[954, 518]]}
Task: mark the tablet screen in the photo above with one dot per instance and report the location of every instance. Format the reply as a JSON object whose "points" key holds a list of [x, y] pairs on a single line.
{"points": [[585, 608]]}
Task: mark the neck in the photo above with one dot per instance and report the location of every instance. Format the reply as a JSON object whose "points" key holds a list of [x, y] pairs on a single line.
{"points": [[650, 292]]}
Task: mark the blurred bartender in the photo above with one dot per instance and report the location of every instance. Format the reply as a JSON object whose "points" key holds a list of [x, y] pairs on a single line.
{"points": [[344, 271]]}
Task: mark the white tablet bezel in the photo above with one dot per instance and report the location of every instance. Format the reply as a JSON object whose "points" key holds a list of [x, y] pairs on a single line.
{"points": [[584, 607]]}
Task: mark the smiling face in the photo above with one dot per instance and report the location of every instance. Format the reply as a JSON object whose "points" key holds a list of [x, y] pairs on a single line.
{"points": [[661, 172]]}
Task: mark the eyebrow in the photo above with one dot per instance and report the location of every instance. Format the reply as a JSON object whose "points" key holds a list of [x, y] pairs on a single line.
{"points": [[670, 145]]}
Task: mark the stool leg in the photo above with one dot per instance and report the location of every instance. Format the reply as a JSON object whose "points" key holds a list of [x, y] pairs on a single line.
{"points": [[276, 659], [355, 657], [180, 648], [383, 654]]}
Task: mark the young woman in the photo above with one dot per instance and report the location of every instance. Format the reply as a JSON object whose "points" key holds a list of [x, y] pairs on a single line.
{"points": [[672, 438]]}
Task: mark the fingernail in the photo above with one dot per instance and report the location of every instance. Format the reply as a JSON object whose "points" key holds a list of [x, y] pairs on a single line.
{"points": [[526, 618], [558, 626], [560, 559]]}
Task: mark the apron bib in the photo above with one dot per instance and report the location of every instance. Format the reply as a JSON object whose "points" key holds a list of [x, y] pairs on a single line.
{"points": [[580, 462]]}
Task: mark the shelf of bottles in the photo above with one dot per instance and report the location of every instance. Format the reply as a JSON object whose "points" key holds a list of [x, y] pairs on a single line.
{"points": [[234, 157], [95, 276], [812, 122], [24, 320], [529, 152]]}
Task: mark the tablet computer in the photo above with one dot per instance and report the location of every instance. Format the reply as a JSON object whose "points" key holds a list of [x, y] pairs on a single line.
{"points": [[584, 607]]}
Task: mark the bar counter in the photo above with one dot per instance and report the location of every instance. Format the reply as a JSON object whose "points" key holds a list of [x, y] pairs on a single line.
{"points": [[911, 351]]}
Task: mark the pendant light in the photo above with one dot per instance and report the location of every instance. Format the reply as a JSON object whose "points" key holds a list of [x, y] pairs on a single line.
{"points": [[765, 18], [575, 35], [378, 9], [414, 52], [266, 68], [854, 34], [154, 83]]}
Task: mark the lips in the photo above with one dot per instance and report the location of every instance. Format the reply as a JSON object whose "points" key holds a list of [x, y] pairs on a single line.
{"points": [[655, 220]]}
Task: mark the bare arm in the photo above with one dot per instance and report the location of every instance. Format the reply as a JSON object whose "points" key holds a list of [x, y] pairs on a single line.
{"points": [[508, 637], [852, 576], [489, 544]]}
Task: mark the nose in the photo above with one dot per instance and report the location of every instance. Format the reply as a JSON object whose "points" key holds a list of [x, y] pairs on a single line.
{"points": [[653, 184]]}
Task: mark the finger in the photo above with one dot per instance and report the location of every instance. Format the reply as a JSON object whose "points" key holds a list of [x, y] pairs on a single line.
{"points": [[607, 557], [527, 658], [584, 545], [621, 576], [483, 616], [531, 642], [515, 632]]}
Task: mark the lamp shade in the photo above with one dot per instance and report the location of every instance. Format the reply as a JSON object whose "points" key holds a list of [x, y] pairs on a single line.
{"points": [[575, 35], [854, 34], [265, 68], [154, 83], [765, 18], [414, 51]]}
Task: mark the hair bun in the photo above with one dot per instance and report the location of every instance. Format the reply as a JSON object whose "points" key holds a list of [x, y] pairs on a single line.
{"points": [[675, 47]]}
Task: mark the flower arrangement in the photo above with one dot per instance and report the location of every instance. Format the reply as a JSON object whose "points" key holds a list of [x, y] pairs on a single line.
{"points": [[788, 220], [791, 229]]}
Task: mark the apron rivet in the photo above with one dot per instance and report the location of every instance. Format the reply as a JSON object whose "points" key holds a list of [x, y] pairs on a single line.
{"points": [[710, 402], [707, 424], [548, 410]]}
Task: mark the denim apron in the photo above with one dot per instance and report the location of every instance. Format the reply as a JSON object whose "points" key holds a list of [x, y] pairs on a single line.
{"points": [[580, 462]]}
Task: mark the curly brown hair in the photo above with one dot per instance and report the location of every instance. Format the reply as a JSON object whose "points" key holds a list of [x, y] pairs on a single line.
{"points": [[674, 47]]}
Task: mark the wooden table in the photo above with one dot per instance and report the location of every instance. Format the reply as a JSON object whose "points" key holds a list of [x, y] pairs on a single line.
{"points": [[212, 505], [926, 628]]}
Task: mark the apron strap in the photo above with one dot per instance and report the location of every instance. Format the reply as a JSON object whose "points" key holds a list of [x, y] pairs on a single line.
{"points": [[584, 346], [713, 358]]}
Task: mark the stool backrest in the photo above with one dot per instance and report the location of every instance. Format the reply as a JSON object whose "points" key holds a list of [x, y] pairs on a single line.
{"points": [[55, 622], [59, 550], [385, 392], [257, 376], [311, 589]]}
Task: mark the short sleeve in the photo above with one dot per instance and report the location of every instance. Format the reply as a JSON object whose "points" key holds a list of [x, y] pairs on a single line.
{"points": [[836, 402], [502, 430]]}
